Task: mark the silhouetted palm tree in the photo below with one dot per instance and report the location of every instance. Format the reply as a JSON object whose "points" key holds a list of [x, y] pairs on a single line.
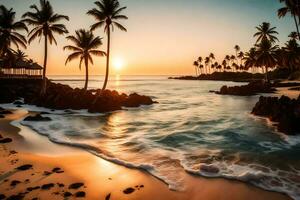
{"points": [[107, 14], [196, 64], [237, 49], [291, 53], [266, 55], [206, 62], [85, 45], [9, 31], [212, 58], [265, 32], [44, 21], [250, 59], [20, 55], [292, 7], [200, 60], [294, 36], [240, 56]]}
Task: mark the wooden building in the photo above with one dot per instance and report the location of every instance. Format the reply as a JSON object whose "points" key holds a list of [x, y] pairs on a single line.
{"points": [[21, 69]]}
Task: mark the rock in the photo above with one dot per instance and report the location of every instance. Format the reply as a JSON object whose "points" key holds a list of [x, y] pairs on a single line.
{"points": [[209, 169], [252, 88], [14, 183], [37, 117], [47, 186], [18, 103], [2, 116], [67, 194], [57, 170], [5, 112], [5, 140], [75, 186], [24, 167], [16, 197], [135, 100], [33, 188], [2, 196], [80, 194], [128, 190], [108, 196], [61, 185], [283, 110]]}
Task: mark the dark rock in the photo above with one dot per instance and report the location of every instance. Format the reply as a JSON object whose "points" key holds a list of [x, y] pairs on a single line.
{"points": [[128, 190], [47, 186], [5, 112], [35, 198], [283, 110], [209, 169], [80, 194], [5, 140], [24, 167], [76, 186], [33, 188], [16, 197], [67, 194], [57, 170], [2, 196], [108, 196], [61, 185], [135, 100], [2, 116], [37, 117], [252, 88], [46, 173], [14, 183]]}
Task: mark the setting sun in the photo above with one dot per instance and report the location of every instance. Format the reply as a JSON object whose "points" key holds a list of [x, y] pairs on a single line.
{"points": [[118, 64]]}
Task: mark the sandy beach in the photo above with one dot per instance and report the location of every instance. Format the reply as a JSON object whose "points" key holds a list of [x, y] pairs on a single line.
{"points": [[65, 173]]}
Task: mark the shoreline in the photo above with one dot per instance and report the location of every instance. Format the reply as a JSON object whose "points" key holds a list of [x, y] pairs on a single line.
{"points": [[105, 177]]}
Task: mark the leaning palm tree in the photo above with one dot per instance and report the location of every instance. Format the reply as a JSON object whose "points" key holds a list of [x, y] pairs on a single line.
{"points": [[9, 31], [107, 14], [85, 45], [44, 21], [265, 32], [266, 55], [292, 7]]}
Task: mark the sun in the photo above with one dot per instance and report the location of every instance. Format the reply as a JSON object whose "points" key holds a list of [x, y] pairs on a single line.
{"points": [[118, 63]]}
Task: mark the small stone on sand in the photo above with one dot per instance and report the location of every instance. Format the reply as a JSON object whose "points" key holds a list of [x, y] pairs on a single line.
{"points": [[5, 140], [76, 185], [24, 167], [14, 183], [67, 194], [128, 191], [47, 186], [108, 196], [80, 194]]}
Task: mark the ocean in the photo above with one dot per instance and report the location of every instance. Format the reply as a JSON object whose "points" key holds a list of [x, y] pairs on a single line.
{"points": [[190, 130]]}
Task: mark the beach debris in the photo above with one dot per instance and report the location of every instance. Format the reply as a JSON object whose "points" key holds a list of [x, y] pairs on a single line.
{"points": [[67, 194], [75, 186], [33, 188], [37, 117], [209, 169], [80, 194], [14, 183], [128, 190], [24, 167], [2, 196], [47, 186], [108, 196], [5, 140], [57, 170], [61, 185]]}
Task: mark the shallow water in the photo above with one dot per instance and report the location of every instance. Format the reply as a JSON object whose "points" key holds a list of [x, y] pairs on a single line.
{"points": [[188, 129]]}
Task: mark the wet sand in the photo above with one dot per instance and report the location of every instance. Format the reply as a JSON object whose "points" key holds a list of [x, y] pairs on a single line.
{"points": [[56, 167]]}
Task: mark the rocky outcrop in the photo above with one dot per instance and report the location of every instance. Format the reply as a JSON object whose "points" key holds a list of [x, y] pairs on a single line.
{"points": [[253, 88], [59, 96], [37, 117], [283, 110]]}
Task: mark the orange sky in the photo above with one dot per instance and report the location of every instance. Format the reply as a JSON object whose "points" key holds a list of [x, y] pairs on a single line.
{"points": [[164, 37]]}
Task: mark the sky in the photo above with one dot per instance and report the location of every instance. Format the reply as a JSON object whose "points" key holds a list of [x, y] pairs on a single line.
{"points": [[164, 37]]}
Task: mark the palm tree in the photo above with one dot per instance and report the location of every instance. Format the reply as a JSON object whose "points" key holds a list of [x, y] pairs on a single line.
{"points": [[241, 56], [224, 64], [44, 21], [294, 36], [292, 7], [85, 45], [250, 59], [107, 14], [200, 60], [212, 58], [237, 49], [196, 64], [291, 56], [266, 32], [9, 31], [20, 55], [206, 62], [266, 55]]}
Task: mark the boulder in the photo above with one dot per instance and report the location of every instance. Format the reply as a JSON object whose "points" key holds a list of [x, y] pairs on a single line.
{"points": [[37, 117]]}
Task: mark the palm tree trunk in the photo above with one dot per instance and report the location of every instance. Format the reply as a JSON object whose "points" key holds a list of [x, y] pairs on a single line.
{"points": [[107, 59], [45, 66], [267, 78], [297, 26], [86, 73]]}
